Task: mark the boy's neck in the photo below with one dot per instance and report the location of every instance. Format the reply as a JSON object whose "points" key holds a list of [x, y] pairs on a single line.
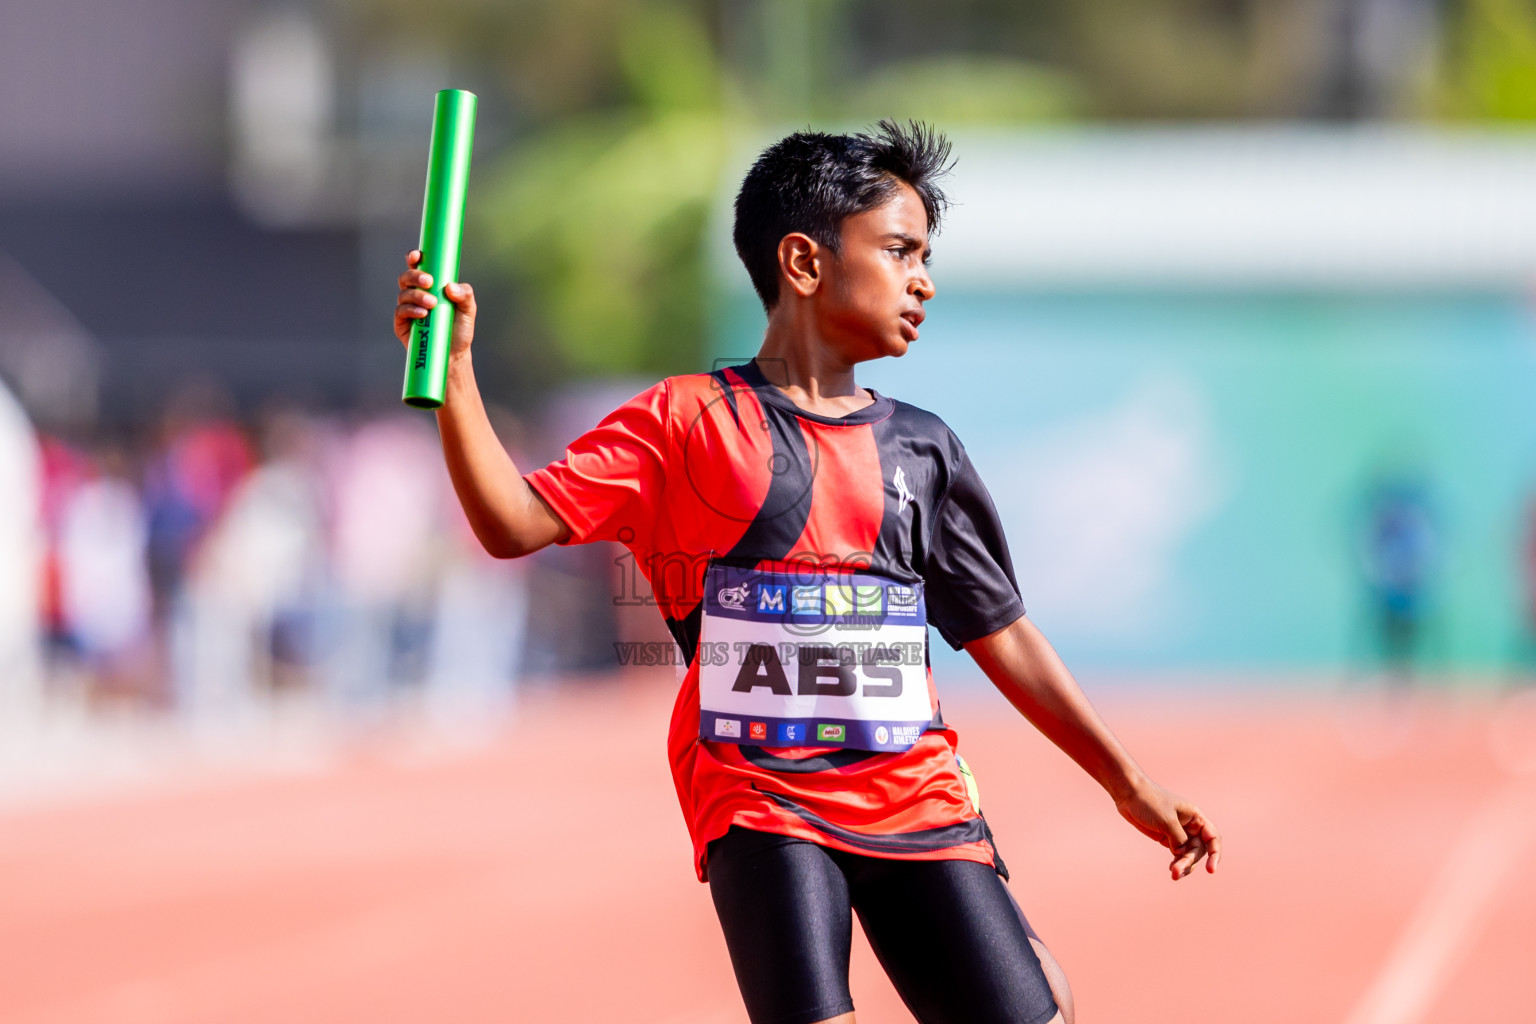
{"points": [[799, 363]]}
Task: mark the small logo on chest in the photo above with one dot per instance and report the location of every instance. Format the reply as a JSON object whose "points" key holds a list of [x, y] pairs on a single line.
{"points": [[904, 494]]}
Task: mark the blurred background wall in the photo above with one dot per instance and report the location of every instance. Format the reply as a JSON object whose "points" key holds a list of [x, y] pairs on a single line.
{"points": [[1234, 314]]}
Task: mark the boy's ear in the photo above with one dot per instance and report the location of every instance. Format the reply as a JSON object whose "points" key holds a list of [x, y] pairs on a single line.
{"points": [[800, 262]]}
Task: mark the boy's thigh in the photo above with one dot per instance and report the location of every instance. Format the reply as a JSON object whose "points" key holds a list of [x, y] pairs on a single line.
{"points": [[952, 940], [784, 908]]}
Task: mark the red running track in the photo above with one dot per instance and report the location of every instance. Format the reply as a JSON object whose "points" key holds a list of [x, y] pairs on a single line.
{"points": [[1380, 870]]}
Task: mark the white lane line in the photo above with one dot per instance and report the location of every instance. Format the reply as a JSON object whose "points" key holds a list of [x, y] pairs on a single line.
{"points": [[1453, 908]]}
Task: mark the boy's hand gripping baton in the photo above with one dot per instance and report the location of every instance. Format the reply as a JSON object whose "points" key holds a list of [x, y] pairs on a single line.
{"points": [[442, 227]]}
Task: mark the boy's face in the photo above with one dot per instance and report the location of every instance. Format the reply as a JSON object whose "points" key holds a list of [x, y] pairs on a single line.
{"points": [[870, 301]]}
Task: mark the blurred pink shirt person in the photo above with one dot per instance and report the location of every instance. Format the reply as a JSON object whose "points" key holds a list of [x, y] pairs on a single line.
{"points": [[388, 482]]}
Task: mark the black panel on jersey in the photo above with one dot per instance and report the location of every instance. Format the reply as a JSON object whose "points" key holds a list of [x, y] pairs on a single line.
{"points": [[917, 443], [729, 393], [686, 631], [969, 586], [786, 507]]}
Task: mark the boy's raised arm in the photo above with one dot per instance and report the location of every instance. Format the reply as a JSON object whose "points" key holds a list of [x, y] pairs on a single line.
{"points": [[509, 517], [1023, 665]]}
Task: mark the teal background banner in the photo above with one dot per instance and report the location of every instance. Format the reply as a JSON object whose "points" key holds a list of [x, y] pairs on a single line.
{"points": [[1187, 479]]}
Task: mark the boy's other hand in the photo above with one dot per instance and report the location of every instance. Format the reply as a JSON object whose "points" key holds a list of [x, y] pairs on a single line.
{"points": [[1175, 823], [415, 301]]}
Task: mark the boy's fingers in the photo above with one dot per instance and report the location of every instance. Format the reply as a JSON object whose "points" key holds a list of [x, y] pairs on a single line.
{"points": [[413, 257], [1204, 842], [413, 312], [415, 279], [417, 297], [1187, 859], [458, 293], [1201, 828], [1190, 851], [1193, 823], [1212, 843]]}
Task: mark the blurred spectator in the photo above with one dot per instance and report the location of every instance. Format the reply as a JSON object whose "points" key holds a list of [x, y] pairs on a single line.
{"points": [[1527, 653], [202, 458], [1400, 549], [104, 598], [388, 481], [203, 455], [478, 624], [261, 565], [64, 469], [480, 618]]}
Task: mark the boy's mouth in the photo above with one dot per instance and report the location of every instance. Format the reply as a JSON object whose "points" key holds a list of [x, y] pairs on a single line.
{"points": [[914, 318]]}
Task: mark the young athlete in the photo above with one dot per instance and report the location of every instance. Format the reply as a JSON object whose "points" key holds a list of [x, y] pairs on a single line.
{"points": [[800, 534]]}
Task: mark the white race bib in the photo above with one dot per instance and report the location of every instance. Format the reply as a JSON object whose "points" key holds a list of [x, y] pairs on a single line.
{"points": [[811, 659]]}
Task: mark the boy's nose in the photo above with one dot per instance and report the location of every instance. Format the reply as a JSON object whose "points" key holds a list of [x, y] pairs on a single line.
{"points": [[922, 287]]}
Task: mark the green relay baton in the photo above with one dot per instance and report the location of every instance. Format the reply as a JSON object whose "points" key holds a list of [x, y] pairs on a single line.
{"points": [[442, 228]]}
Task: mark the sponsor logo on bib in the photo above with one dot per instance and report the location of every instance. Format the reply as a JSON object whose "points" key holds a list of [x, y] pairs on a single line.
{"points": [[728, 727], [791, 733], [839, 599], [758, 730], [807, 600], [831, 733], [770, 598], [901, 601], [882, 735], [733, 597]]}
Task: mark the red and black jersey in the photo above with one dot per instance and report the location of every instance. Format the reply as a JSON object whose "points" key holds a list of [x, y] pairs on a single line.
{"points": [[724, 467]]}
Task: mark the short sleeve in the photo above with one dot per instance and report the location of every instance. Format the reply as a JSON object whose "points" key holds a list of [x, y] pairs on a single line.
{"points": [[968, 583], [609, 484]]}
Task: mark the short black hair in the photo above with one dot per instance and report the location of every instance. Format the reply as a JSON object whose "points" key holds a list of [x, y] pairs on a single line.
{"points": [[811, 181]]}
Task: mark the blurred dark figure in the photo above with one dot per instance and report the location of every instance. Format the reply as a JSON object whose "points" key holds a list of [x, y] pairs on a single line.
{"points": [[1400, 552], [1373, 54], [200, 457], [65, 467], [1526, 656], [202, 454]]}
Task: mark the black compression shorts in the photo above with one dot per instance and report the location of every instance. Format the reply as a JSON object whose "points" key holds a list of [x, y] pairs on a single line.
{"points": [[948, 932]]}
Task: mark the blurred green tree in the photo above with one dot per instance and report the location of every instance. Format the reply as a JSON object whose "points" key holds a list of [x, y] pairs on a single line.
{"points": [[1492, 62], [966, 89], [602, 214]]}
